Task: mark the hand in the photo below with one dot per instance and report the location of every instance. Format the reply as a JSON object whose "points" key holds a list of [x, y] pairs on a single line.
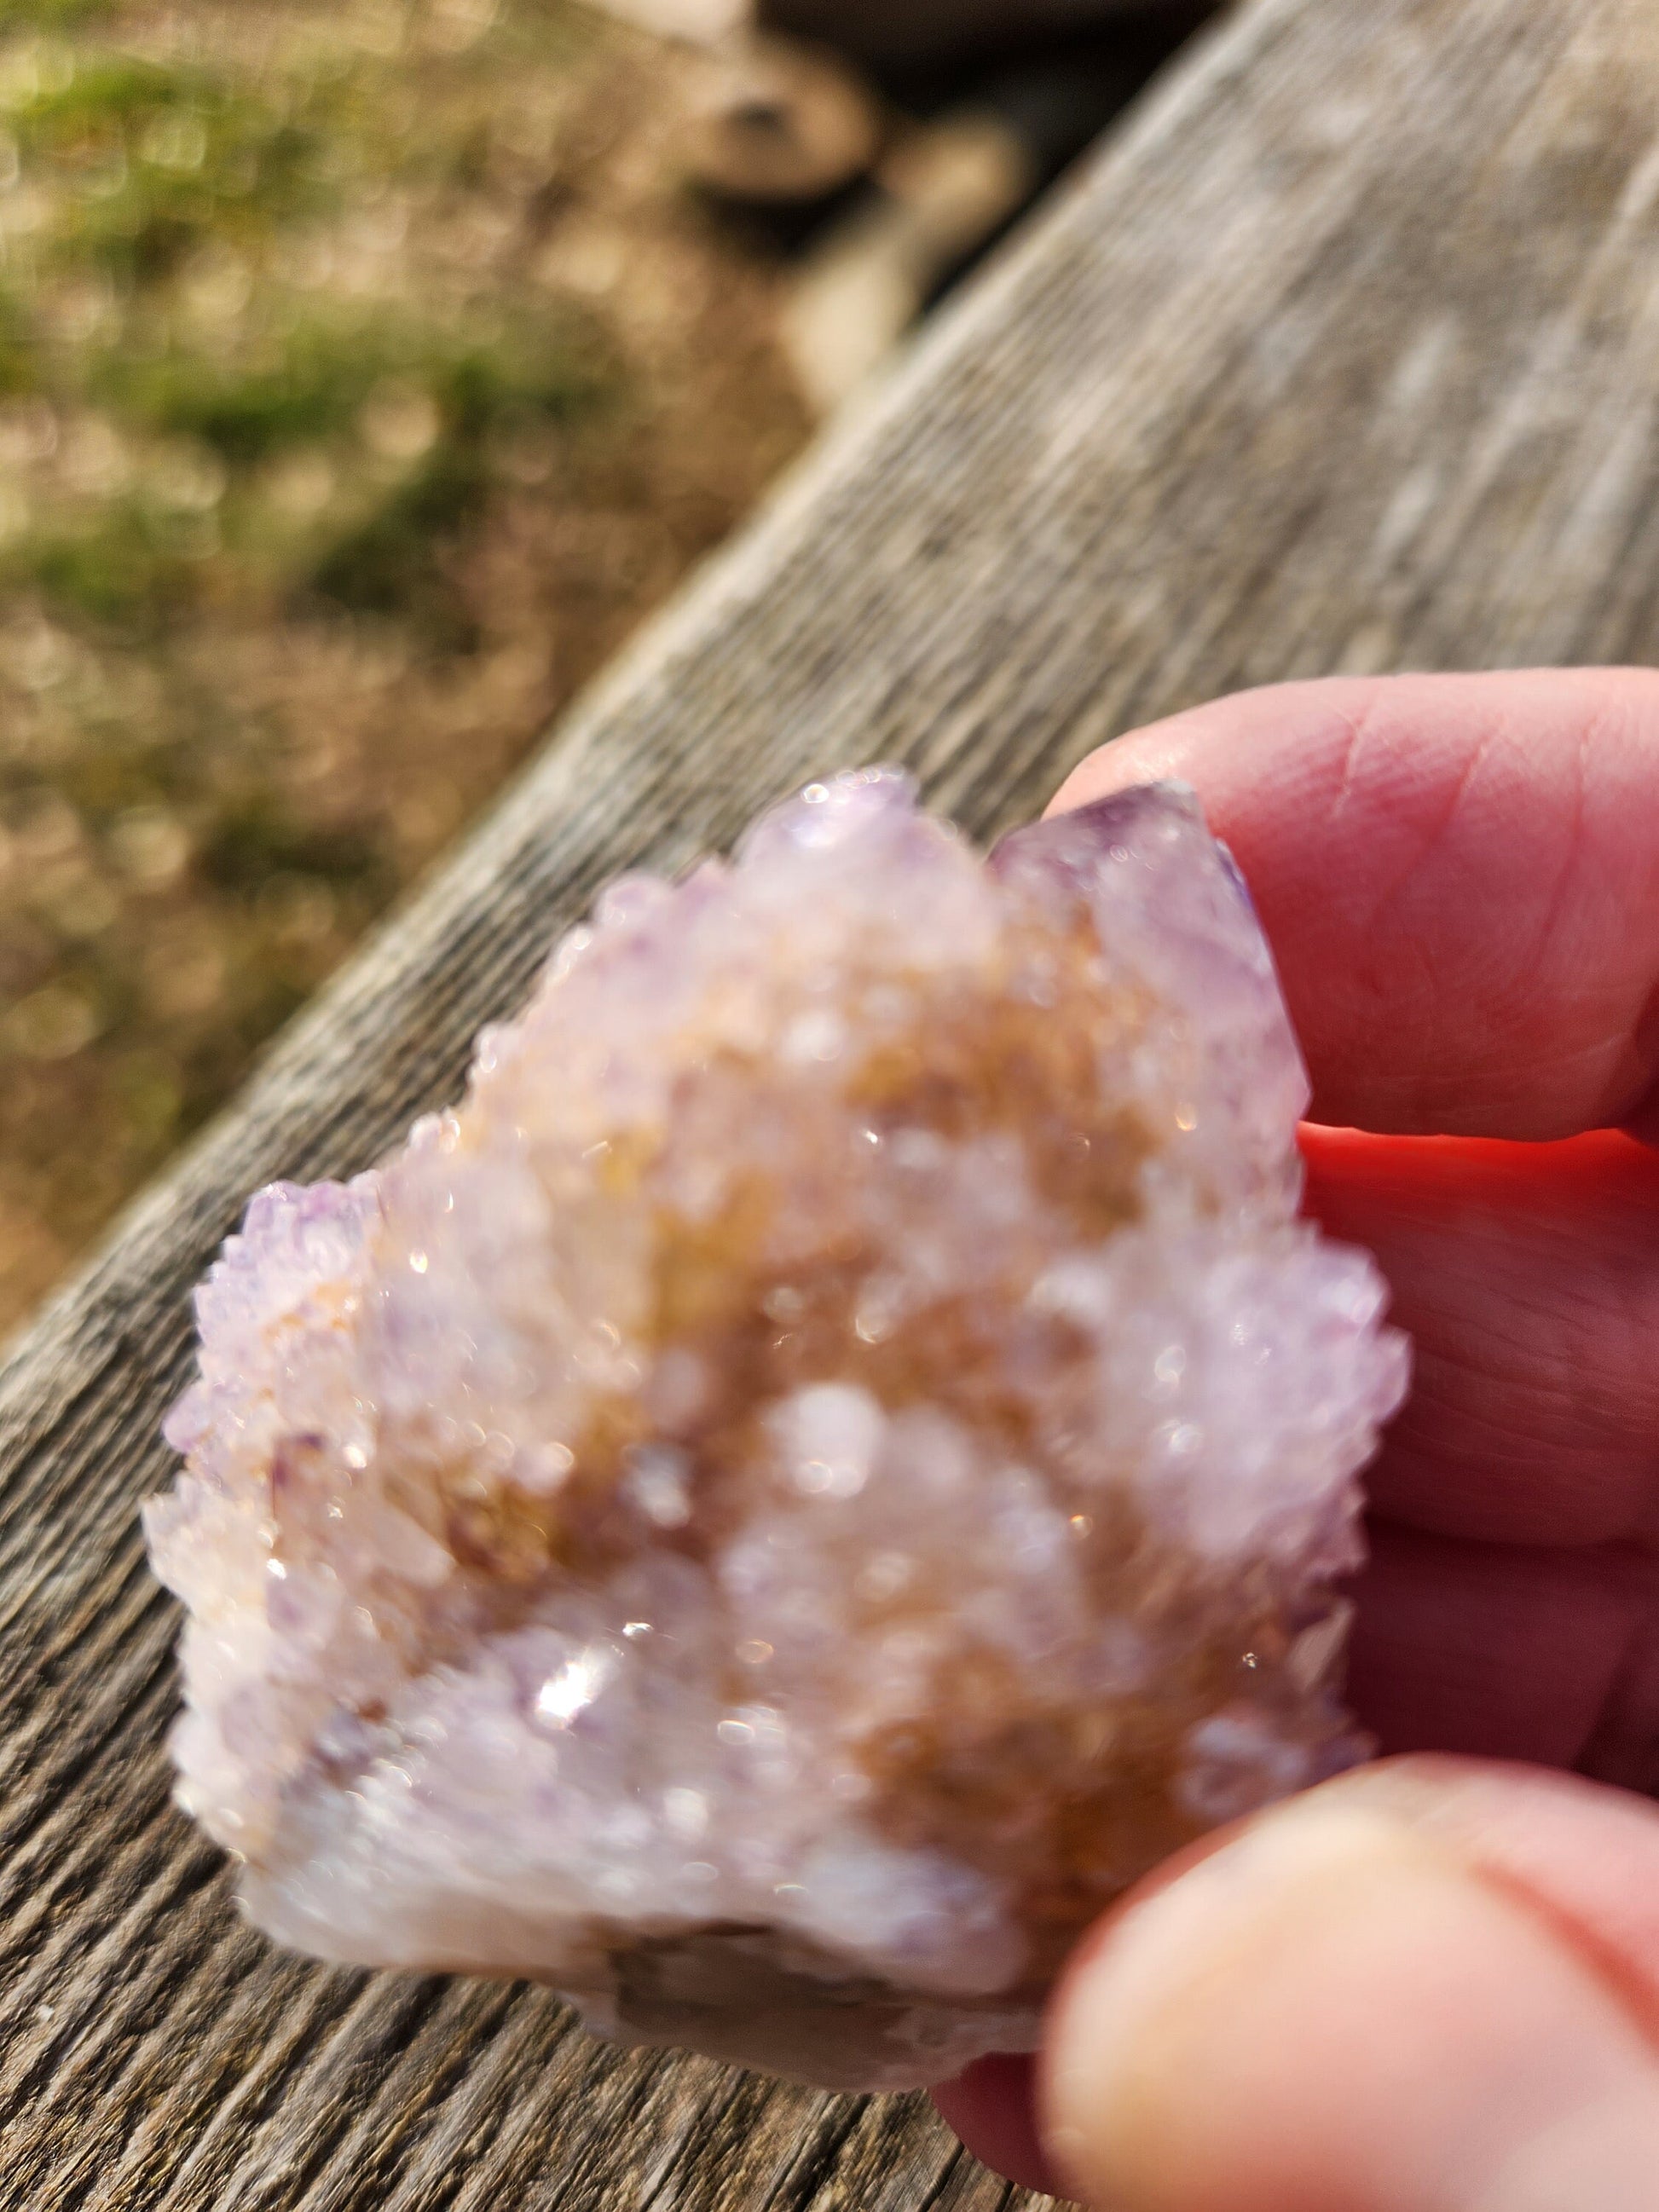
{"points": [[1433, 1986]]}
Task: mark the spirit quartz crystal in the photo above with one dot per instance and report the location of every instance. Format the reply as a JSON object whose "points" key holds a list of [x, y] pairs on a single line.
{"points": [[831, 1461]]}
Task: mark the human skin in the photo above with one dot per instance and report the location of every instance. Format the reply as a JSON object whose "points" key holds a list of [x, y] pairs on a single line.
{"points": [[1432, 1986]]}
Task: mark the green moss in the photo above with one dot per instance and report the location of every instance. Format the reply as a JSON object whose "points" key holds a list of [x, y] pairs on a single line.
{"points": [[112, 568], [256, 839], [310, 382], [547, 372], [53, 15], [393, 561], [129, 563], [152, 161], [311, 388], [142, 164], [84, 93]]}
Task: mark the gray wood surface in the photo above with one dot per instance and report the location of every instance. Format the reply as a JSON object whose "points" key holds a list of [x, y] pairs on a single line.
{"points": [[1344, 355]]}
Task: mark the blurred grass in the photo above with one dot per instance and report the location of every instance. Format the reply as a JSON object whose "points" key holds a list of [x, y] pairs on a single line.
{"points": [[364, 376]]}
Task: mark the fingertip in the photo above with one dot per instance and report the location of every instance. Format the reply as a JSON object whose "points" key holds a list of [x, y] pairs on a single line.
{"points": [[1194, 744], [1338, 2007]]}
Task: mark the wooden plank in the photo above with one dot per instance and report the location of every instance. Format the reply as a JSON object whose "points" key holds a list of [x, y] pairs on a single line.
{"points": [[1342, 356]]}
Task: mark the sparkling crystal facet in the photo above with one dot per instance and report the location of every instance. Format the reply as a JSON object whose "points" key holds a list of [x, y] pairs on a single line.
{"points": [[831, 1462]]}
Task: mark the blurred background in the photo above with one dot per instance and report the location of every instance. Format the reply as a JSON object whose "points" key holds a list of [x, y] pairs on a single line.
{"points": [[369, 368]]}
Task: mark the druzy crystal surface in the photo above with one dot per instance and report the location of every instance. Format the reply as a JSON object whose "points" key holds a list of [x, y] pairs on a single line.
{"points": [[828, 1465]]}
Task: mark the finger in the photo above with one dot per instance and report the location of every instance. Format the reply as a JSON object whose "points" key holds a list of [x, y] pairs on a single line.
{"points": [[1412, 1990], [1528, 1278], [1459, 876], [1625, 1748], [993, 2108], [1496, 1651], [1519, 1827]]}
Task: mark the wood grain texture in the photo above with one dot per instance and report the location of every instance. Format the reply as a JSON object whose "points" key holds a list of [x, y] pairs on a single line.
{"points": [[1342, 356]]}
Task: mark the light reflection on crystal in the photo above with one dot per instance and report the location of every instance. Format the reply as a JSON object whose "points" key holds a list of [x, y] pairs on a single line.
{"points": [[866, 1280], [574, 1688]]}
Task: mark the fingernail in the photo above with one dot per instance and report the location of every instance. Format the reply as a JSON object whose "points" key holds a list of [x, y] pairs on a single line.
{"points": [[1333, 2010]]}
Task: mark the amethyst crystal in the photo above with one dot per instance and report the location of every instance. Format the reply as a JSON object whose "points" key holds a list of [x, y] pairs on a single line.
{"points": [[826, 1467]]}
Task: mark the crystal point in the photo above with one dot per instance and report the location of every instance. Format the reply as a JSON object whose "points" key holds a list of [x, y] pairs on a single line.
{"points": [[834, 1459]]}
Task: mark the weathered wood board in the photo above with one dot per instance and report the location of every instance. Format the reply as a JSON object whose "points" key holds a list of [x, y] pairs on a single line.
{"points": [[1344, 355]]}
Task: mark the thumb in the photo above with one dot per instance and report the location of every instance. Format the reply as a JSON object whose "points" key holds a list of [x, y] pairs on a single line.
{"points": [[1431, 1986]]}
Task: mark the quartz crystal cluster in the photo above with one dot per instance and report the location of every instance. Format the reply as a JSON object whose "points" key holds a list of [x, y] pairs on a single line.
{"points": [[831, 1461]]}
